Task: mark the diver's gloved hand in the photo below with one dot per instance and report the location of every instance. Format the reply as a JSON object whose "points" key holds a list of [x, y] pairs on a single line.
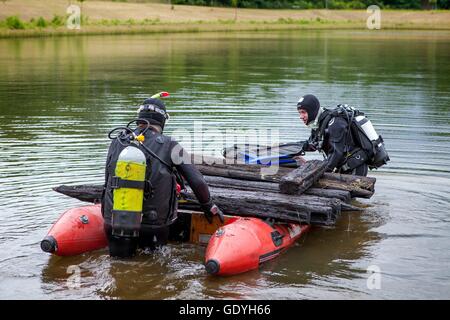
{"points": [[211, 210]]}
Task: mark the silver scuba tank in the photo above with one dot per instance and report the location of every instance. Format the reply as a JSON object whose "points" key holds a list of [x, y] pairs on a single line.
{"points": [[380, 156], [367, 127]]}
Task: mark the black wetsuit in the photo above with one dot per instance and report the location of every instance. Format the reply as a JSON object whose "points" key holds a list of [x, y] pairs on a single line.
{"points": [[334, 138], [160, 204]]}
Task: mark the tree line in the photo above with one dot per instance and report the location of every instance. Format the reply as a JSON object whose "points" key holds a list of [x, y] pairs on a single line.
{"points": [[322, 4]]}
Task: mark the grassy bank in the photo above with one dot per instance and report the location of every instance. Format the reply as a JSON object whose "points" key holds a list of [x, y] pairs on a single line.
{"points": [[155, 26], [19, 18]]}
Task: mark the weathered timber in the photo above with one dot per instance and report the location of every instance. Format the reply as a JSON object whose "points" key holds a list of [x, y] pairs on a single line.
{"points": [[260, 196], [354, 184], [249, 208], [92, 193], [283, 207], [217, 181], [316, 195], [84, 192], [349, 207], [211, 166], [256, 173], [366, 183], [300, 179], [222, 182], [355, 191], [342, 195], [303, 208]]}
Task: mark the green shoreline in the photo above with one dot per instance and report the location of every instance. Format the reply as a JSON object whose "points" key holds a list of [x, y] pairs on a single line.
{"points": [[193, 27]]}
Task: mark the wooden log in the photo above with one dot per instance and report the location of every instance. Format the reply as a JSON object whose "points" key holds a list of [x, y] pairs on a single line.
{"points": [[278, 206], [336, 185], [300, 179], [342, 195], [324, 188], [304, 208], [314, 201], [254, 174], [203, 162], [92, 193], [271, 200], [306, 203], [218, 167], [273, 187], [302, 202], [366, 183], [215, 181], [249, 208], [354, 184]]}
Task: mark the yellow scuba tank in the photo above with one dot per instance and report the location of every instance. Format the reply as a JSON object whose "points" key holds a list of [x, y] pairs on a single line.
{"points": [[128, 194]]}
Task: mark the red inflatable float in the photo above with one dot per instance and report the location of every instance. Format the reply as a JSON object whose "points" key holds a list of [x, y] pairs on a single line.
{"points": [[246, 243], [240, 245], [78, 230]]}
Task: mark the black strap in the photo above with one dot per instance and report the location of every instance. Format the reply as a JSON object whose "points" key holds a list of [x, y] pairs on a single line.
{"points": [[129, 212], [147, 149], [117, 183], [326, 117]]}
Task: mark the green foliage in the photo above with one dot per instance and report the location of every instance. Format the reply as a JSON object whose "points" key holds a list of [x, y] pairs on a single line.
{"points": [[84, 20], [15, 23], [151, 21], [114, 22], [57, 21], [41, 23], [303, 4]]}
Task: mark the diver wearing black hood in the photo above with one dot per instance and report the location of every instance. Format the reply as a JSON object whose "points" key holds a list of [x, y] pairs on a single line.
{"points": [[331, 135], [159, 208]]}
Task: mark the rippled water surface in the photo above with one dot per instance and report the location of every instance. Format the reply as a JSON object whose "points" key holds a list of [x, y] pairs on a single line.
{"points": [[59, 98]]}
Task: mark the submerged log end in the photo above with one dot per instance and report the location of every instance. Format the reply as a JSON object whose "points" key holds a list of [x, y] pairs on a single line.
{"points": [[87, 193]]}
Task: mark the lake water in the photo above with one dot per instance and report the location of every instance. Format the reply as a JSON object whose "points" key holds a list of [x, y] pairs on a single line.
{"points": [[59, 97]]}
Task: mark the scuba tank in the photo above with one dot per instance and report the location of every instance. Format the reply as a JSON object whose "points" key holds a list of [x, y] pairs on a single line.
{"points": [[379, 155], [367, 127], [128, 186]]}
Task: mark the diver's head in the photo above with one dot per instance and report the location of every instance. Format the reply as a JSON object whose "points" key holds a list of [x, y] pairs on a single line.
{"points": [[308, 108], [154, 111]]}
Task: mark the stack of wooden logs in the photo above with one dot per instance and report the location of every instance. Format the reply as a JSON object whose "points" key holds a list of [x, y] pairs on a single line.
{"points": [[303, 195]]}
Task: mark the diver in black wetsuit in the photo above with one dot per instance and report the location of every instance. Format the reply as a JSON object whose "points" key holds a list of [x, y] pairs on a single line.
{"points": [[331, 135], [160, 199]]}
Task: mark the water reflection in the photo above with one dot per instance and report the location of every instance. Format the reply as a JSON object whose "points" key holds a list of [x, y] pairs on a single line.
{"points": [[60, 96]]}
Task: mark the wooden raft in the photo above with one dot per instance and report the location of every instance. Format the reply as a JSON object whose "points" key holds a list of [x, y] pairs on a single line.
{"points": [[303, 195]]}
